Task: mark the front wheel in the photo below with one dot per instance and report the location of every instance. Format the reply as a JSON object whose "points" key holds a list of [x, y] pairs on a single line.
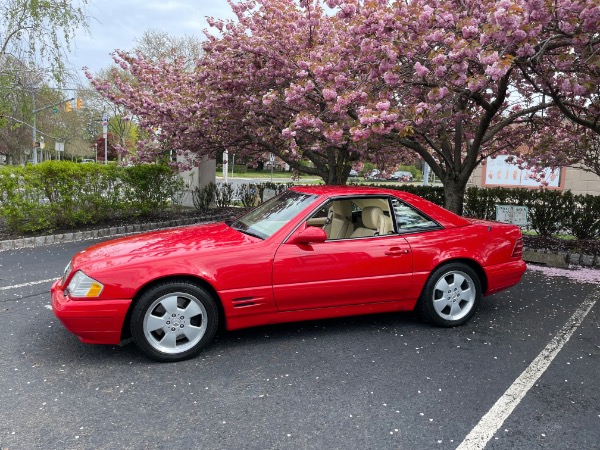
{"points": [[174, 321], [450, 296]]}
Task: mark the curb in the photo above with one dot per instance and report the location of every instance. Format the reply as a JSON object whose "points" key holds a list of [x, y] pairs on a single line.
{"points": [[561, 260]]}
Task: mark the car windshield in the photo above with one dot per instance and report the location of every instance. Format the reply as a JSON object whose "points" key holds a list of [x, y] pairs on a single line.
{"points": [[271, 216]]}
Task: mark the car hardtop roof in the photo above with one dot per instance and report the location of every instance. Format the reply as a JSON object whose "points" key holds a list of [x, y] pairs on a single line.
{"points": [[335, 191], [442, 215]]}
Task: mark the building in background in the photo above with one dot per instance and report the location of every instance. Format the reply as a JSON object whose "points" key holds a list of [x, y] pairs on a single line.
{"points": [[496, 172]]}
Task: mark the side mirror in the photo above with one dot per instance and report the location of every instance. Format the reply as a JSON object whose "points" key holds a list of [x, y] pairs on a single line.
{"points": [[310, 235]]}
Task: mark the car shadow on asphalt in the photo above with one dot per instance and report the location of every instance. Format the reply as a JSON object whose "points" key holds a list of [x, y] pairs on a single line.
{"points": [[58, 345]]}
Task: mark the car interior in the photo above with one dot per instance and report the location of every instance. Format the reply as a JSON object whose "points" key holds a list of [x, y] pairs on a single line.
{"points": [[368, 216]]}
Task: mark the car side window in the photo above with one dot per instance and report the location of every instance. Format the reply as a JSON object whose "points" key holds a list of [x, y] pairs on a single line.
{"points": [[352, 218], [409, 219]]}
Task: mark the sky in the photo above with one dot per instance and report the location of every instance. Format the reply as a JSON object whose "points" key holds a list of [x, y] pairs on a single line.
{"points": [[116, 24]]}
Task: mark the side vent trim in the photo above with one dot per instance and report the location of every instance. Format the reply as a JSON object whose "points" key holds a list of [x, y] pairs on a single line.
{"points": [[244, 302]]}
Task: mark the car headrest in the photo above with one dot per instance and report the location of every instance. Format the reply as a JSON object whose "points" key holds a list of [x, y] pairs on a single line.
{"points": [[342, 208], [371, 216]]}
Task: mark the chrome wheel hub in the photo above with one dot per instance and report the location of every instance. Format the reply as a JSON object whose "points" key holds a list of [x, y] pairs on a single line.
{"points": [[454, 295], [175, 322]]}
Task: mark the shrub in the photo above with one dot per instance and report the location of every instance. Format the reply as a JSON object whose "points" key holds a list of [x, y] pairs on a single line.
{"points": [[224, 195], [203, 197], [546, 211], [23, 204], [481, 202], [58, 194], [247, 195], [150, 187], [582, 220]]}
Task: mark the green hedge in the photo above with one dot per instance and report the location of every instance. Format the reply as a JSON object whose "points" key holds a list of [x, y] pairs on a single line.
{"points": [[551, 212], [59, 194]]}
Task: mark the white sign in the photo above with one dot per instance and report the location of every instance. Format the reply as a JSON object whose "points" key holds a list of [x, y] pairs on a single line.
{"points": [[500, 173], [104, 119], [517, 215], [59, 146], [271, 157]]}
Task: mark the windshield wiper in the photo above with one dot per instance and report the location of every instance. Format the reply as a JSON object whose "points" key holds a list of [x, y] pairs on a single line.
{"points": [[249, 233]]}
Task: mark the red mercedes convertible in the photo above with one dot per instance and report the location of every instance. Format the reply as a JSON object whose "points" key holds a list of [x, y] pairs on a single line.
{"points": [[310, 253]]}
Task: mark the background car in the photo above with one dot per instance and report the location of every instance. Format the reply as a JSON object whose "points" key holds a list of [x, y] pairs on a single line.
{"points": [[401, 176], [353, 173], [312, 252], [375, 174]]}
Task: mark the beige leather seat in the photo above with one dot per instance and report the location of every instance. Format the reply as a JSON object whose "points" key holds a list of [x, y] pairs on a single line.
{"points": [[386, 226], [339, 227], [372, 219]]}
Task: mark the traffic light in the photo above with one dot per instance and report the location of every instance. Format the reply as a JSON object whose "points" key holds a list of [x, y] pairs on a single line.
{"points": [[79, 103], [68, 107]]}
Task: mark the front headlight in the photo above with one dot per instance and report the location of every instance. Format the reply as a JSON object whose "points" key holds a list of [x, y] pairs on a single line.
{"points": [[83, 286]]}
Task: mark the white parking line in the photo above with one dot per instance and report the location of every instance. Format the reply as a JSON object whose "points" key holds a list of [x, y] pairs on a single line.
{"points": [[495, 417], [32, 283]]}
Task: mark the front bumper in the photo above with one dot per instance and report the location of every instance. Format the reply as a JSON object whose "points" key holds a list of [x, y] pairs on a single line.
{"points": [[92, 321]]}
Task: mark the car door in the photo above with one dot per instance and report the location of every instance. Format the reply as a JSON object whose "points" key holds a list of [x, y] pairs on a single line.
{"points": [[342, 272]]}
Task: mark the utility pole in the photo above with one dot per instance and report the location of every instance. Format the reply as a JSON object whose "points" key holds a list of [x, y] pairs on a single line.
{"points": [[34, 128]]}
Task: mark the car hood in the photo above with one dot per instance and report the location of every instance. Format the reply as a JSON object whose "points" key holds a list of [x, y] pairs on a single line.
{"points": [[164, 243]]}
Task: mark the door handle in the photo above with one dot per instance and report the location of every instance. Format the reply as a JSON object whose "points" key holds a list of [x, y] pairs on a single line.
{"points": [[397, 251]]}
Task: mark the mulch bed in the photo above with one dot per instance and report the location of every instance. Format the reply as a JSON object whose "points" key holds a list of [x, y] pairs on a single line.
{"points": [[550, 244]]}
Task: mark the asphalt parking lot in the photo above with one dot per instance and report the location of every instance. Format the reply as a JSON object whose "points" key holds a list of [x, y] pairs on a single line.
{"points": [[371, 382]]}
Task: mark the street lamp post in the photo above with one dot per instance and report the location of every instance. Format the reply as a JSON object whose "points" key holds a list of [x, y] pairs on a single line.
{"points": [[34, 129]]}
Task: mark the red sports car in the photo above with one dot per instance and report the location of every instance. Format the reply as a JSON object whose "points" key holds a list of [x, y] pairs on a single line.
{"points": [[309, 253]]}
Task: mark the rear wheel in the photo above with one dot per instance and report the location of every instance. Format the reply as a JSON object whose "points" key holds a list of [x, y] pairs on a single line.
{"points": [[174, 321], [450, 296]]}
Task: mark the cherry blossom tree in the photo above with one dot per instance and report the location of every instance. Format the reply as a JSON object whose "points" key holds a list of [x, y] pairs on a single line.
{"points": [[245, 94], [324, 84], [452, 77], [566, 69]]}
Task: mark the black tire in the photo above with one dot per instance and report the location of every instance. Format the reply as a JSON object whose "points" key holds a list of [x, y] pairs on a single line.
{"points": [[451, 295], [174, 321]]}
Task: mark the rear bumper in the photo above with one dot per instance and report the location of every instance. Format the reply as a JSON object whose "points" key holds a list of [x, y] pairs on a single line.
{"points": [[92, 321], [503, 276]]}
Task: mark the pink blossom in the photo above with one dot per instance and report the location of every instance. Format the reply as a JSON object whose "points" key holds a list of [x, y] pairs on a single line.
{"points": [[329, 94], [420, 69], [383, 105], [391, 78]]}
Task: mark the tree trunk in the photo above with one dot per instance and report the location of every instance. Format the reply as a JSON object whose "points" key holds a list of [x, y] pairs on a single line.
{"points": [[454, 192]]}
